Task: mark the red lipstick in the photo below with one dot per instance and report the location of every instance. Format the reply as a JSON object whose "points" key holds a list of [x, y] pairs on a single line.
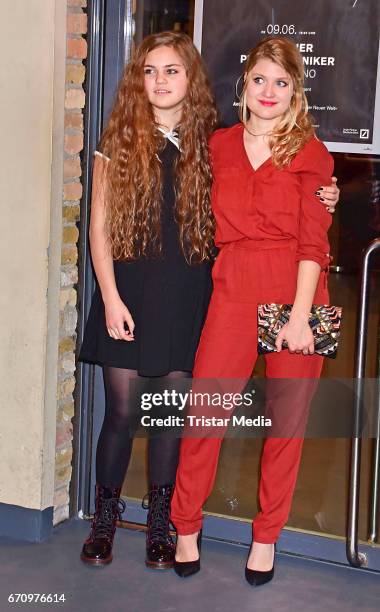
{"points": [[266, 103]]}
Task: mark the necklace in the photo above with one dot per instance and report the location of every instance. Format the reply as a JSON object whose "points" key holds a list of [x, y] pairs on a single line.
{"points": [[252, 134]]}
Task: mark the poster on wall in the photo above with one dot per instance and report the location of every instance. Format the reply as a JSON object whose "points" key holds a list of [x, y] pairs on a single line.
{"points": [[339, 42]]}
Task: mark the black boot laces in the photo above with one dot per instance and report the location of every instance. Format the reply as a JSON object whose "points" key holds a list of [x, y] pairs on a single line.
{"points": [[158, 502], [110, 509]]}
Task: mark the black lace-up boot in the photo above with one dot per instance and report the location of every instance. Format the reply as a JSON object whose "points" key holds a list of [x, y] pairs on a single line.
{"points": [[97, 549], [160, 548]]}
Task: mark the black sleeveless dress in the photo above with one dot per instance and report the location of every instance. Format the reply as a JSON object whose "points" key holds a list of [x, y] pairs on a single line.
{"points": [[167, 298]]}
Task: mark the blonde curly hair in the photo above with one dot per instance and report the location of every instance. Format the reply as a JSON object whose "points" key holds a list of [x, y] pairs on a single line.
{"points": [[295, 127]]}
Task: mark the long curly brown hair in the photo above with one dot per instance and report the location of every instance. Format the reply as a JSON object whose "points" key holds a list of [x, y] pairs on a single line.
{"points": [[133, 179], [295, 128]]}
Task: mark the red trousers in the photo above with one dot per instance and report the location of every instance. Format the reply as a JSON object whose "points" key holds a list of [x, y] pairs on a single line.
{"points": [[244, 275]]}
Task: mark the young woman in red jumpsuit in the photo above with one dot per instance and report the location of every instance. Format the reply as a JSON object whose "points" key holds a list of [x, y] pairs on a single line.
{"points": [[272, 235]]}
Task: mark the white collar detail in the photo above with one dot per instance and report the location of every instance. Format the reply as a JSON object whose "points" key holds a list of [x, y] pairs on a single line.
{"points": [[173, 136]]}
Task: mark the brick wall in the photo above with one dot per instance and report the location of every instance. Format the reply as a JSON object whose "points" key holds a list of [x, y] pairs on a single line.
{"points": [[72, 193]]}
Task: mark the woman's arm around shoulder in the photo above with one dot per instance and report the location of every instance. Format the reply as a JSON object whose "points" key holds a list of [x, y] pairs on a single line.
{"points": [[314, 166]]}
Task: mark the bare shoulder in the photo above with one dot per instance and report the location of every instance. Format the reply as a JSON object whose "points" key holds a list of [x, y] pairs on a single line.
{"points": [[102, 156]]}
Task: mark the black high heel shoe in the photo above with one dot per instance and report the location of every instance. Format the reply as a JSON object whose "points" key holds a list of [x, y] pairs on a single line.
{"points": [[188, 568], [256, 577]]}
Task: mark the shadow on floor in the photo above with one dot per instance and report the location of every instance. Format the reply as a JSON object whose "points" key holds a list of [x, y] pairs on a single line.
{"points": [[127, 585]]}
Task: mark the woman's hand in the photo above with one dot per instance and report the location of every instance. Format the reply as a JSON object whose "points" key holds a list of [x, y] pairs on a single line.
{"points": [[329, 196], [298, 336], [117, 314]]}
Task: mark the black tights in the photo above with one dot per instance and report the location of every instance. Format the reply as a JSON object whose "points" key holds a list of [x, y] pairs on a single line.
{"points": [[116, 437]]}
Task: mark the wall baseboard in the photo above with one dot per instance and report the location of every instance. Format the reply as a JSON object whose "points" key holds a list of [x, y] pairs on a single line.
{"points": [[25, 524]]}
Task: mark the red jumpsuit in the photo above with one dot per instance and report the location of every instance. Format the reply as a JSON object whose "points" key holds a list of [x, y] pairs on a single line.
{"points": [[267, 221]]}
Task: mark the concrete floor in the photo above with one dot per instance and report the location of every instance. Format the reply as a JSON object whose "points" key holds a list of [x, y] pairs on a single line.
{"points": [[127, 585]]}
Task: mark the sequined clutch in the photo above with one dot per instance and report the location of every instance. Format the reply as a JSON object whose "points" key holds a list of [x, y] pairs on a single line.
{"points": [[324, 322]]}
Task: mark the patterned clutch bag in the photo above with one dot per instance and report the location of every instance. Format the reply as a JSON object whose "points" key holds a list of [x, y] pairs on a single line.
{"points": [[324, 322]]}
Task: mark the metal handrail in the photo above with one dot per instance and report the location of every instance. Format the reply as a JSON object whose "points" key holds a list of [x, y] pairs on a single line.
{"points": [[354, 557], [373, 518]]}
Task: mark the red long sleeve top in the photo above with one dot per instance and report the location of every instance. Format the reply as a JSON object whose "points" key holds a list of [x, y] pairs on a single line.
{"points": [[269, 204]]}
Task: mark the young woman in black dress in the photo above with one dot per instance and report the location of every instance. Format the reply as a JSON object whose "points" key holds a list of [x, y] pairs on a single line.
{"points": [[151, 236], [151, 233]]}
